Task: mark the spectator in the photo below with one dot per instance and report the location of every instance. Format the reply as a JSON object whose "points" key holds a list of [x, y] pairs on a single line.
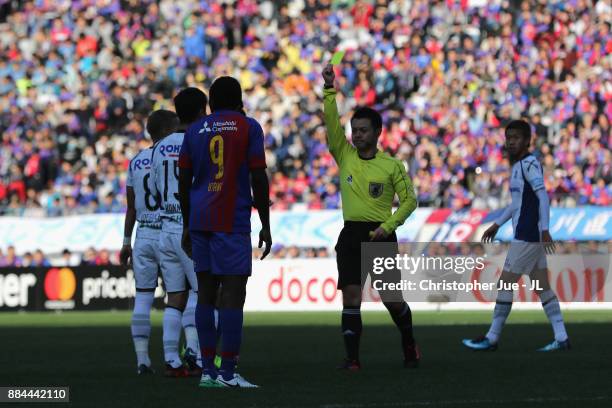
{"points": [[67, 259], [11, 258], [293, 252], [75, 91], [103, 258], [39, 259], [322, 253], [27, 260], [89, 257]]}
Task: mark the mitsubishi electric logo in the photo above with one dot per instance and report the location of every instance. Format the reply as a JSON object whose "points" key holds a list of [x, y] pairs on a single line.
{"points": [[205, 128], [228, 125]]}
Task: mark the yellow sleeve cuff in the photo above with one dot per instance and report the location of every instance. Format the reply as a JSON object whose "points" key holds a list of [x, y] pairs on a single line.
{"points": [[388, 229]]}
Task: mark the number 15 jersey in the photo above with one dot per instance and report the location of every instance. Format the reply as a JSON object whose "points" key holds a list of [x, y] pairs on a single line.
{"points": [[164, 175], [222, 149]]}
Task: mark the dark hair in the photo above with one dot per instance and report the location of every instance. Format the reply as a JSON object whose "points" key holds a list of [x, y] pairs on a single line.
{"points": [[368, 113], [522, 126], [225, 93], [189, 103], [159, 121]]}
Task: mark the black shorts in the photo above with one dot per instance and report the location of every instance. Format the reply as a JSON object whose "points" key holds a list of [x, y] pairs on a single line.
{"points": [[348, 250]]}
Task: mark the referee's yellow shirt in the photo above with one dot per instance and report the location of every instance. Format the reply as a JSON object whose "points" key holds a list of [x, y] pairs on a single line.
{"points": [[367, 187]]}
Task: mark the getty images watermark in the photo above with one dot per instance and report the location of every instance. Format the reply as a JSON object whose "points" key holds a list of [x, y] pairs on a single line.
{"points": [[448, 272]]}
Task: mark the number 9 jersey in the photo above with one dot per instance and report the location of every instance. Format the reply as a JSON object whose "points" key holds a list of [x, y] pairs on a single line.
{"points": [[222, 149], [145, 197], [164, 176]]}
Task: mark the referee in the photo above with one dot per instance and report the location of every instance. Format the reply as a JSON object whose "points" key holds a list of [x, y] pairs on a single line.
{"points": [[369, 180]]}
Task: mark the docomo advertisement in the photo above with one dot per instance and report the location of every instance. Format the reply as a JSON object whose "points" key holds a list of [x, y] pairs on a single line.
{"points": [[310, 285], [293, 285], [304, 285]]}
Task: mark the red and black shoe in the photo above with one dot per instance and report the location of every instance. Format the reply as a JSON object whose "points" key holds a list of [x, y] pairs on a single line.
{"points": [[178, 372], [145, 370], [194, 371], [412, 356], [191, 360], [350, 365]]}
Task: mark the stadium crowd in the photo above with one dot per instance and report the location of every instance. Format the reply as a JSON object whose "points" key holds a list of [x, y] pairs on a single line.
{"points": [[78, 78], [103, 257]]}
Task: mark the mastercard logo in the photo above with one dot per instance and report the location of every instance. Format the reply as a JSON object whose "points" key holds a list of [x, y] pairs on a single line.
{"points": [[60, 284]]}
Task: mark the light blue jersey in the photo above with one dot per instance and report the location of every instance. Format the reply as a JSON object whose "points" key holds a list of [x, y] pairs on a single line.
{"points": [[529, 208], [164, 175]]}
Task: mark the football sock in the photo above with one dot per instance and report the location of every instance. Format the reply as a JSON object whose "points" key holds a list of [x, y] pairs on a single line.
{"points": [[217, 326], [171, 335], [141, 326], [230, 321], [403, 321], [503, 306], [551, 306], [207, 332], [189, 324], [351, 330]]}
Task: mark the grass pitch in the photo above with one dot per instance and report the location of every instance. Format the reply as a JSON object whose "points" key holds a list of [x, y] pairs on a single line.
{"points": [[293, 357]]}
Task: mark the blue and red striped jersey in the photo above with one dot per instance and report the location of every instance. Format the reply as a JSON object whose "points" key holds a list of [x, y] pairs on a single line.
{"points": [[222, 149]]}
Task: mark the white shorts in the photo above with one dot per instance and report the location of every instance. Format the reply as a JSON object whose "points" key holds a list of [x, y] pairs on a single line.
{"points": [[176, 267], [145, 259], [525, 257]]}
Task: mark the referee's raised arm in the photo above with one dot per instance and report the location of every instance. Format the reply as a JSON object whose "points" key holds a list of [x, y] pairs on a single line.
{"points": [[336, 139]]}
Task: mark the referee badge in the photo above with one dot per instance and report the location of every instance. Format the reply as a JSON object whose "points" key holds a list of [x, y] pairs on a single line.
{"points": [[376, 189]]}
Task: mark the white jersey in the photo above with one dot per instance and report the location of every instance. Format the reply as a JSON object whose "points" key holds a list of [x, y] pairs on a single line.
{"points": [[526, 180], [164, 174], [146, 202]]}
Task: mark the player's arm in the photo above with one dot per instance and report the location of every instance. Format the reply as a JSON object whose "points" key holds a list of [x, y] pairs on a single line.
{"points": [[185, 181], [547, 239], [153, 172], [408, 202], [504, 216], [534, 176], [261, 201], [336, 139], [259, 183], [128, 228], [489, 234], [184, 188]]}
